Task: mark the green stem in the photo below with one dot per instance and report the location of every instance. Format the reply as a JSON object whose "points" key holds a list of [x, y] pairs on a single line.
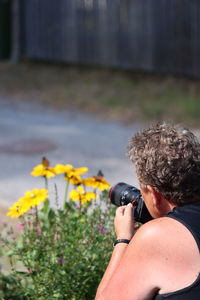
{"points": [[66, 192], [80, 202], [46, 182], [11, 264], [37, 217], [95, 199], [46, 203]]}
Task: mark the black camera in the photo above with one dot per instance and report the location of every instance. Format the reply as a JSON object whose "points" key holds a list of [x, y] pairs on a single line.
{"points": [[122, 194]]}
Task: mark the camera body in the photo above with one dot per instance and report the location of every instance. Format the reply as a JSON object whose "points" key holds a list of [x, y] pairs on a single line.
{"points": [[122, 194]]}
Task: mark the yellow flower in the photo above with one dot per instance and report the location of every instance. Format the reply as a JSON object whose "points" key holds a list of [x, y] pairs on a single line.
{"points": [[71, 174], [69, 170], [17, 210], [35, 197], [97, 182], [41, 170], [30, 199], [75, 180], [80, 195]]}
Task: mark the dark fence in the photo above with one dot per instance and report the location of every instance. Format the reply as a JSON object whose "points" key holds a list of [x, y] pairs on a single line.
{"points": [[4, 29], [150, 35]]}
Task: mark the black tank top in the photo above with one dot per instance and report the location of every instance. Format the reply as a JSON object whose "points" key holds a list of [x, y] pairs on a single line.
{"points": [[189, 216]]}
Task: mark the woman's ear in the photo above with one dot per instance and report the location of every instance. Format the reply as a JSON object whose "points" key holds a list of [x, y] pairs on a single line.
{"points": [[157, 205], [153, 200], [156, 197]]}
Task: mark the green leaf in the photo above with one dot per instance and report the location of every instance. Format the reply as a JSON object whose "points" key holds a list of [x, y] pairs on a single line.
{"points": [[51, 214], [10, 252]]}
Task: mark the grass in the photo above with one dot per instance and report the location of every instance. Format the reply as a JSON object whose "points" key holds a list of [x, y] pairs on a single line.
{"points": [[115, 94]]}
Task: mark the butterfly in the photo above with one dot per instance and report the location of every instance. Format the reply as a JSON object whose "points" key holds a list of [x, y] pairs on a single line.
{"points": [[45, 162]]}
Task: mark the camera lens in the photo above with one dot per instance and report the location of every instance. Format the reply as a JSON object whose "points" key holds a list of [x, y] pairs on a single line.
{"points": [[122, 194]]}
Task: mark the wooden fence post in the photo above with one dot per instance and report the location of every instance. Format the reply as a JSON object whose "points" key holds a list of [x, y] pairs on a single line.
{"points": [[15, 30]]}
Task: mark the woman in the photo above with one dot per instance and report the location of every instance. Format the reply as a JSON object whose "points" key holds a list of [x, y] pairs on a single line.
{"points": [[162, 260]]}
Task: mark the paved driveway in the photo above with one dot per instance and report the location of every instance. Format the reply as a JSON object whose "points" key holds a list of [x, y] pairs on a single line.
{"points": [[29, 132]]}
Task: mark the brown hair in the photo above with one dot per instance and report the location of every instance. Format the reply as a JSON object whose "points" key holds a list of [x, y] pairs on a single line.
{"points": [[167, 157]]}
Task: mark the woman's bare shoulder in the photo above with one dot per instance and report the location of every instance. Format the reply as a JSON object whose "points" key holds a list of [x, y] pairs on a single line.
{"points": [[164, 228], [154, 229], [162, 242], [164, 236], [170, 248]]}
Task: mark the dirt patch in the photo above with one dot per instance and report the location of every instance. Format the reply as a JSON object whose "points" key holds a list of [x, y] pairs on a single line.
{"points": [[125, 96]]}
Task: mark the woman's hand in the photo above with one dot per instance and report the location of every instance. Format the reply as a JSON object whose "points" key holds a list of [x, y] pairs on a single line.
{"points": [[124, 222]]}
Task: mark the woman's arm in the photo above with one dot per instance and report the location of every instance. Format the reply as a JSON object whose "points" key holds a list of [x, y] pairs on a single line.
{"points": [[132, 270], [124, 227], [117, 254]]}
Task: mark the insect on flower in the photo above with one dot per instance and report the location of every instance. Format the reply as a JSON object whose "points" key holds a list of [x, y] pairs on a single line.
{"points": [[97, 182], [44, 169]]}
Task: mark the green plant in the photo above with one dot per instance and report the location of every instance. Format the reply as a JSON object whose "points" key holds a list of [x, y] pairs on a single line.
{"points": [[62, 252], [10, 288]]}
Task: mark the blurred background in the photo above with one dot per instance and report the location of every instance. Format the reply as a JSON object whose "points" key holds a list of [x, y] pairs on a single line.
{"points": [[79, 77]]}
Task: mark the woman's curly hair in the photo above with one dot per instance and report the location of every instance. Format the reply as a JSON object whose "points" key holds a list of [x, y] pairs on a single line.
{"points": [[167, 157]]}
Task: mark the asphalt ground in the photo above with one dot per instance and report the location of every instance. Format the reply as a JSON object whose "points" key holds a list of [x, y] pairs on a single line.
{"points": [[29, 131]]}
